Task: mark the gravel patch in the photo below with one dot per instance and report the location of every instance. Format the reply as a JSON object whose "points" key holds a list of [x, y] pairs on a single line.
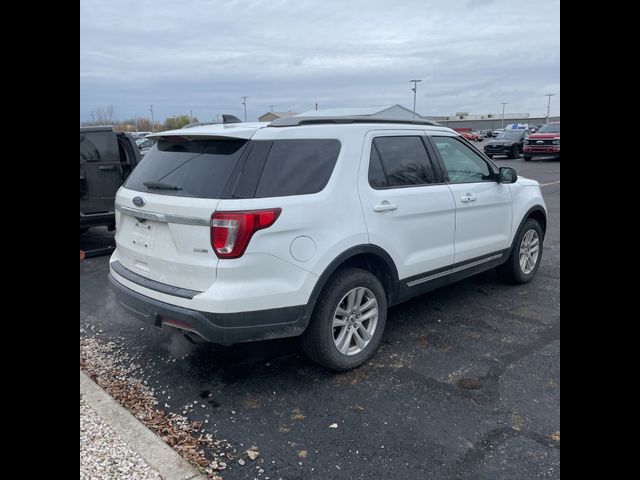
{"points": [[104, 455], [118, 373]]}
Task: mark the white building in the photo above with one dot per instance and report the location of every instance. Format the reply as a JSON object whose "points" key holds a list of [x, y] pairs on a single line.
{"points": [[386, 111], [271, 116]]}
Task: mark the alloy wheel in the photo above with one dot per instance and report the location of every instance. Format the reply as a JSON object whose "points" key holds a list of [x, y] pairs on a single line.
{"points": [[529, 251], [355, 321]]}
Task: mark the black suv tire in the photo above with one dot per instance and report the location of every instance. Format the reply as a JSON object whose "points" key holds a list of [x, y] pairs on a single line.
{"points": [[318, 339], [511, 271]]}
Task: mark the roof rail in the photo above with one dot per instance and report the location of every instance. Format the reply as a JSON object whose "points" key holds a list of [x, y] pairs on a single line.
{"points": [[299, 121]]}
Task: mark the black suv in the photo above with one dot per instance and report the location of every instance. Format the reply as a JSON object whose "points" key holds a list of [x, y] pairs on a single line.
{"points": [[106, 160], [508, 142]]}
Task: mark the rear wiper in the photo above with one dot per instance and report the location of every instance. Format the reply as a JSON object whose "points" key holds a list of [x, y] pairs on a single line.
{"points": [[160, 185]]}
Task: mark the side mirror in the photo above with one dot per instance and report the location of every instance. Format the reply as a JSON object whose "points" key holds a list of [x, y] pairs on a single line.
{"points": [[507, 175]]}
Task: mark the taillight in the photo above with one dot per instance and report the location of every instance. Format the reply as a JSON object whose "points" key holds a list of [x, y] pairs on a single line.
{"points": [[231, 231]]}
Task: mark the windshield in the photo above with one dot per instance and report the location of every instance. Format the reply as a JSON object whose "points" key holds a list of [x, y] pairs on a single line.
{"points": [[510, 135], [550, 128]]}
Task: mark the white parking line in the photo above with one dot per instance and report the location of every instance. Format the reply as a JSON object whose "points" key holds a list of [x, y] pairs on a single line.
{"points": [[552, 183]]}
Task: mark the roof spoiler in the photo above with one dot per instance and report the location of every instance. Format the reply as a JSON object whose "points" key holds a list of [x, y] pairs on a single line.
{"points": [[230, 119]]}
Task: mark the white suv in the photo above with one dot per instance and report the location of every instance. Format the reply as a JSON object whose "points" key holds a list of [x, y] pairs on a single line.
{"points": [[313, 226]]}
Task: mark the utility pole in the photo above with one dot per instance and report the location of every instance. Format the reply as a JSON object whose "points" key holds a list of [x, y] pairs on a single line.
{"points": [[244, 102], [503, 104], [190, 116], [271, 106], [316, 105], [92, 120], [415, 88], [548, 105], [153, 125]]}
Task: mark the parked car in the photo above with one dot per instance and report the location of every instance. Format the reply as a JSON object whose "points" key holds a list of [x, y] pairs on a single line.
{"points": [[517, 126], [472, 137], [140, 134], [313, 227], [508, 142], [497, 132], [145, 144], [479, 134], [106, 159], [544, 143], [487, 133]]}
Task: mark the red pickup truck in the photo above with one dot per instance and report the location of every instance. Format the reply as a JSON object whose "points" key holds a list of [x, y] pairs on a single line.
{"points": [[544, 143]]}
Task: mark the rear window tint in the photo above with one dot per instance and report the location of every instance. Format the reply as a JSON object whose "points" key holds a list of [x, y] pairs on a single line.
{"points": [[198, 168], [404, 161], [297, 167], [377, 177]]}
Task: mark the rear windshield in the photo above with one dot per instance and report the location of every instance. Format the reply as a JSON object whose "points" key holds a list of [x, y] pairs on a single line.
{"points": [[187, 168]]}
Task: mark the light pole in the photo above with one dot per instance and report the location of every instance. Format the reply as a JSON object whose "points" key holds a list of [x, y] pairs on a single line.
{"points": [[244, 102], [153, 125], [271, 107], [548, 105], [415, 88], [503, 104]]}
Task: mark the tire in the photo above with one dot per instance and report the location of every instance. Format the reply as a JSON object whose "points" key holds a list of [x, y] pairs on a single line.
{"points": [[512, 270], [319, 339], [490, 155], [515, 153], [527, 158], [83, 230]]}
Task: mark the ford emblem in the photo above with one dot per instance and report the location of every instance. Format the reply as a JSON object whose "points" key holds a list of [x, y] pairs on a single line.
{"points": [[539, 141], [139, 201]]}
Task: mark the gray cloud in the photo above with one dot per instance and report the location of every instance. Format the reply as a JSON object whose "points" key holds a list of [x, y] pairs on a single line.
{"points": [[203, 55]]}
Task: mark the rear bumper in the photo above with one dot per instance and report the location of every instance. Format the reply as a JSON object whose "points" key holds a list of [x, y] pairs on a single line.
{"points": [[221, 328]]}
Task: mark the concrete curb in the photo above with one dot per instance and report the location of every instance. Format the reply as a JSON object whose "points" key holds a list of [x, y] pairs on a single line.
{"points": [[160, 456]]}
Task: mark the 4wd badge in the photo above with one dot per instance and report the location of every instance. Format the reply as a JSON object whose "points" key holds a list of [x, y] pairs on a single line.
{"points": [[139, 201]]}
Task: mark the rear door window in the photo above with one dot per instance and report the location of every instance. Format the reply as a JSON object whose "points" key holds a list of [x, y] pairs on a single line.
{"points": [[198, 168], [402, 160]]}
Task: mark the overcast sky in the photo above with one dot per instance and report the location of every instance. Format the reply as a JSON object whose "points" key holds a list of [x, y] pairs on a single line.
{"points": [[203, 55]]}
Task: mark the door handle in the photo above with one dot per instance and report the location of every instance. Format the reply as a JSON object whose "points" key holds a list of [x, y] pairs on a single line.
{"points": [[384, 206], [107, 167], [468, 198]]}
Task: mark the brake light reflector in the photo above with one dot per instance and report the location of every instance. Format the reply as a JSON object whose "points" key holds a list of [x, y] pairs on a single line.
{"points": [[232, 231]]}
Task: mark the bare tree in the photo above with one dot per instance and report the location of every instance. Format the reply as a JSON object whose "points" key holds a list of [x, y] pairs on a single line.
{"points": [[104, 115]]}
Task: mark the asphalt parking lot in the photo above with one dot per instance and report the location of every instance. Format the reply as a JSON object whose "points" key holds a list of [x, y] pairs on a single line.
{"points": [[465, 385]]}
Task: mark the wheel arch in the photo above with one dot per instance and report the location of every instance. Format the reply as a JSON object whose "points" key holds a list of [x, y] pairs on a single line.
{"points": [[538, 213], [368, 257]]}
